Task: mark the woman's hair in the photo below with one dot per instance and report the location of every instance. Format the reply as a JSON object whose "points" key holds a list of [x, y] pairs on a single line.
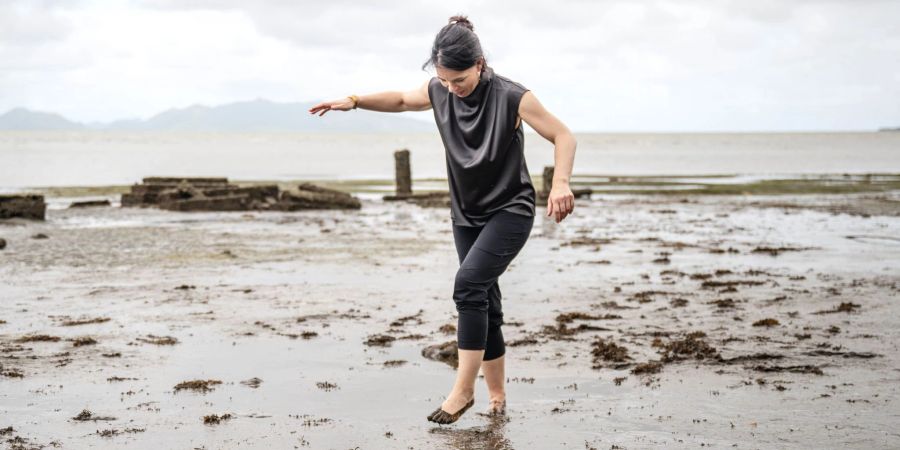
{"points": [[456, 46]]}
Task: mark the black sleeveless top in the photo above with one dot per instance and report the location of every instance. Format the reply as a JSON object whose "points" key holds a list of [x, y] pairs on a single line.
{"points": [[486, 167]]}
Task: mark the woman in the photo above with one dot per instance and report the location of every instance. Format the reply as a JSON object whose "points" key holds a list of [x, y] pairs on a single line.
{"points": [[478, 114]]}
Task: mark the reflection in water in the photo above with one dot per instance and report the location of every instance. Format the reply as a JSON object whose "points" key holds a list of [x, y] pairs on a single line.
{"points": [[489, 436], [403, 216], [549, 227]]}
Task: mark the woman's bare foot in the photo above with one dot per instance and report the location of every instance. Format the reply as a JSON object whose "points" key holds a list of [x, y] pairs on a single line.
{"points": [[497, 406], [453, 407], [494, 377]]}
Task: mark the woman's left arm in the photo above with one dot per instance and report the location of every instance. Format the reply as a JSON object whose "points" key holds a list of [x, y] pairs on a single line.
{"points": [[561, 201]]}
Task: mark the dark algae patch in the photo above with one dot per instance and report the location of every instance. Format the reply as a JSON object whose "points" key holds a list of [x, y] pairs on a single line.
{"points": [[775, 251], [72, 323], [82, 341], [691, 346], [380, 340], [647, 296], [844, 307], [522, 342], [326, 386], [416, 318], [38, 338], [751, 358], [115, 379], [715, 284], [606, 351], [197, 385], [647, 368], [806, 368], [86, 415], [252, 382], [724, 303], [563, 332], [214, 419], [573, 316], [115, 432], [768, 322], [158, 340], [11, 373]]}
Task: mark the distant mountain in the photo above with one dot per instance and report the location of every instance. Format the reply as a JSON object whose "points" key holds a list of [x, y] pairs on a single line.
{"points": [[23, 119], [256, 115]]}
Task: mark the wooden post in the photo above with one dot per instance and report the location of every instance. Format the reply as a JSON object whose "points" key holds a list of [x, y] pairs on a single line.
{"points": [[547, 179], [547, 185], [402, 173]]}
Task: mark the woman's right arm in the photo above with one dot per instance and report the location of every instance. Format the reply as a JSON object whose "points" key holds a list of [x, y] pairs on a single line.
{"points": [[389, 101]]}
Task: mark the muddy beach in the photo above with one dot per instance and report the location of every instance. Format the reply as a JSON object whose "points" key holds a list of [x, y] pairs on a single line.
{"points": [[747, 321]]}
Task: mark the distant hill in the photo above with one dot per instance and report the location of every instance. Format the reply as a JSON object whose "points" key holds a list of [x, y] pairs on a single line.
{"points": [[23, 119], [256, 115]]}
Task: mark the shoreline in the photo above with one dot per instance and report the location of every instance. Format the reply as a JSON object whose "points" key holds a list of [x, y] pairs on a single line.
{"points": [[688, 185]]}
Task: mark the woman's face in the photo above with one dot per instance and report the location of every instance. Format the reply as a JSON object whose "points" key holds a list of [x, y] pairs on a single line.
{"points": [[460, 82]]}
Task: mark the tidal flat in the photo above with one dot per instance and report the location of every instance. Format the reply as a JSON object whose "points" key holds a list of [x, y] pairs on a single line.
{"points": [[657, 319]]}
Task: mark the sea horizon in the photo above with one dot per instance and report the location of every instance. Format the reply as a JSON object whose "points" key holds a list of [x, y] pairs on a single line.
{"points": [[114, 158]]}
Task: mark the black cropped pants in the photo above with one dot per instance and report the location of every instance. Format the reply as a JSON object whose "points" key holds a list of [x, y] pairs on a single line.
{"points": [[484, 254]]}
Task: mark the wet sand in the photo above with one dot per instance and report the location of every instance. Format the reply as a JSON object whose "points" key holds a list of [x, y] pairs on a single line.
{"points": [[640, 321]]}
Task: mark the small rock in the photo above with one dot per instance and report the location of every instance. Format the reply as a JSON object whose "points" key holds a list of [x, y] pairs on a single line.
{"points": [[446, 353], [380, 340]]}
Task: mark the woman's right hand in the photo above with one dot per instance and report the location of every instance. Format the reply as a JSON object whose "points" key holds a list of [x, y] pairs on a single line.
{"points": [[344, 104]]}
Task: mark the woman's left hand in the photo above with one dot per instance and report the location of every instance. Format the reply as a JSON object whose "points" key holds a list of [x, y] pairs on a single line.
{"points": [[560, 202]]}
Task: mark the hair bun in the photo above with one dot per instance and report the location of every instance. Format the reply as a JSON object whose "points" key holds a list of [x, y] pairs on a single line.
{"points": [[462, 20]]}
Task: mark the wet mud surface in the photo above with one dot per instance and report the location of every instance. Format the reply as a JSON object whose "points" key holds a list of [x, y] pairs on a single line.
{"points": [[640, 321]]}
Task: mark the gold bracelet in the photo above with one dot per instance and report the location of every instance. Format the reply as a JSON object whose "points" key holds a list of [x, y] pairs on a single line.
{"points": [[355, 100]]}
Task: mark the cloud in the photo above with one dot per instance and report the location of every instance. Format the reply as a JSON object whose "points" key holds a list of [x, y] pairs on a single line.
{"points": [[24, 24], [603, 65]]}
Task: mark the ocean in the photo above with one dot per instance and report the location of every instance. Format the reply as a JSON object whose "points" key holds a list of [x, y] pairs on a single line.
{"points": [[95, 158]]}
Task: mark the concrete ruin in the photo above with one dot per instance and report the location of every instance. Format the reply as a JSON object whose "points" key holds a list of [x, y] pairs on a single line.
{"points": [[310, 196], [90, 204], [547, 184], [216, 194], [25, 206], [403, 190]]}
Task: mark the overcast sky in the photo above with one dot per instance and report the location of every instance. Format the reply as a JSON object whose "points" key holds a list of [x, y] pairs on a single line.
{"points": [[597, 65]]}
